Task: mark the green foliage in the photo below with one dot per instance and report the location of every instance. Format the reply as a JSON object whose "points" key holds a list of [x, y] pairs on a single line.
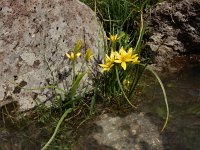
{"points": [[127, 77]]}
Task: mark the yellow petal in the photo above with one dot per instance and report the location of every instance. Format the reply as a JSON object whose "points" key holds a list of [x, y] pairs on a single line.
{"points": [[130, 51], [112, 56], [107, 58], [123, 64], [105, 69], [135, 55], [103, 65], [68, 55], [128, 59], [78, 55], [135, 61], [72, 56], [118, 61], [117, 55], [124, 53], [121, 50]]}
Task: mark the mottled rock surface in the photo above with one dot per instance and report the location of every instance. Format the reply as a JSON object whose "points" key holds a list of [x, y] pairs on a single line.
{"points": [[132, 132], [35, 32], [175, 39]]}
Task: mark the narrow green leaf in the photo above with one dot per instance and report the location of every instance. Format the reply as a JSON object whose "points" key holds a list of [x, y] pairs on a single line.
{"points": [[165, 96], [120, 85], [139, 41], [76, 84], [57, 127]]}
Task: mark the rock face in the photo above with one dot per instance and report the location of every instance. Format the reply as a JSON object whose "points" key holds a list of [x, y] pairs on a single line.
{"points": [[34, 37], [131, 132], [176, 34]]}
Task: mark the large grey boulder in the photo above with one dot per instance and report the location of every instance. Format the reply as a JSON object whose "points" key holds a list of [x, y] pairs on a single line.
{"points": [[175, 38], [34, 37]]}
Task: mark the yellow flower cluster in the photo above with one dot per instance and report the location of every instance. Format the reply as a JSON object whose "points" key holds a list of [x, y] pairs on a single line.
{"points": [[73, 56], [76, 54], [121, 57], [113, 38]]}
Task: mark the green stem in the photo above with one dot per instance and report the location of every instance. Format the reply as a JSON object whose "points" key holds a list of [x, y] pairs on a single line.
{"points": [[120, 85], [73, 70], [113, 46], [57, 127], [165, 97]]}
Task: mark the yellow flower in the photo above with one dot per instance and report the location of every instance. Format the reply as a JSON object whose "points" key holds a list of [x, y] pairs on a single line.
{"points": [[73, 56], [108, 62], [113, 38], [88, 54], [123, 57]]}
